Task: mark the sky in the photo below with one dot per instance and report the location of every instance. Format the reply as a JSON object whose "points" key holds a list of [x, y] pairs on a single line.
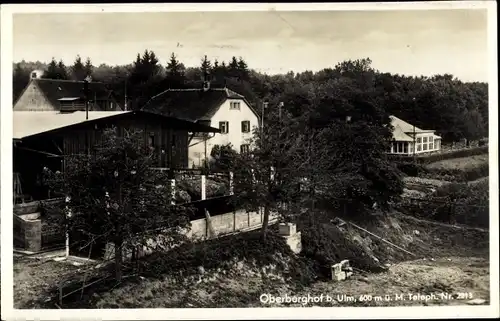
{"points": [[411, 42]]}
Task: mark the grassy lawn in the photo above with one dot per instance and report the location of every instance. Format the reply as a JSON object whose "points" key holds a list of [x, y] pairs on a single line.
{"points": [[463, 163], [33, 278]]}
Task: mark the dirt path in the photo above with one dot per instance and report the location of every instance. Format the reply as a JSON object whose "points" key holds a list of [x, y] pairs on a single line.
{"points": [[453, 281]]}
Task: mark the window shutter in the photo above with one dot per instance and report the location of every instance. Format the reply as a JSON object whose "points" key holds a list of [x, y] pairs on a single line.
{"points": [[227, 127], [243, 126]]}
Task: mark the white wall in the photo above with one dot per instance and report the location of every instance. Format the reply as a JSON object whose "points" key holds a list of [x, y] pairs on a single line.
{"points": [[235, 136], [421, 137]]}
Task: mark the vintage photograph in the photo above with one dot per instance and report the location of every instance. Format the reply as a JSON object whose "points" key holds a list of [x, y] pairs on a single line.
{"points": [[251, 159]]}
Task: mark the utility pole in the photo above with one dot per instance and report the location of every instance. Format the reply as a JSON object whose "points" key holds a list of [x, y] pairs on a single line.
{"points": [[86, 97], [264, 107], [125, 104]]}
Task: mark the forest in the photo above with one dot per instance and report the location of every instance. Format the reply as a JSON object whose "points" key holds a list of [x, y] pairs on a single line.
{"points": [[455, 109]]}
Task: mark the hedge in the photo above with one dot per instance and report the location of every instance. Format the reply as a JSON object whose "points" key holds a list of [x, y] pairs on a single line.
{"points": [[427, 159]]}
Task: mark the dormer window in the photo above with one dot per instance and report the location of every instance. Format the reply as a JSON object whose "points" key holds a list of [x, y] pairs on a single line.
{"points": [[234, 105]]}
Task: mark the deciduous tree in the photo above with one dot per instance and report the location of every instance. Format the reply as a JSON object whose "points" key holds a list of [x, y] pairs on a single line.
{"points": [[115, 196]]}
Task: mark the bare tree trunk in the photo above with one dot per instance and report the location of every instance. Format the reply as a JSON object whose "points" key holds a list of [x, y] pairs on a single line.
{"points": [[265, 223], [118, 258]]}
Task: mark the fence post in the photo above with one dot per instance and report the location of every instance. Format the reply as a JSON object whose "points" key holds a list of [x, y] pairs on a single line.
{"points": [[234, 221], [231, 184], [60, 293], [172, 190], [203, 187], [68, 215]]}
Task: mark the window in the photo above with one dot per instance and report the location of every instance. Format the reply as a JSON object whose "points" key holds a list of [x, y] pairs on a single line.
{"points": [[245, 126], [425, 140], [405, 148], [224, 127], [419, 140], [234, 105], [419, 147], [244, 148], [431, 143]]}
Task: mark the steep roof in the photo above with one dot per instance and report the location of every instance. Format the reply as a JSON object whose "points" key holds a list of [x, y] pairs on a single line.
{"points": [[399, 135], [190, 104], [406, 127], [55, 89], [28, 123]]}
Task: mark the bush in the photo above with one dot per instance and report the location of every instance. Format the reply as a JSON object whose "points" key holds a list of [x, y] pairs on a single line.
{"points": [[467, 203], [223, 158], [410, 168], [458, 175], [462, 203], [324, 244], [184, 260]]}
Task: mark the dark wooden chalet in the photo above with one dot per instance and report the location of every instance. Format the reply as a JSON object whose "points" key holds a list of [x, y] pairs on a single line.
{"points": [[42, 139]]}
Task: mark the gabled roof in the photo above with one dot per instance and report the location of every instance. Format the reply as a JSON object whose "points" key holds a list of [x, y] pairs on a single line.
{"points": [[399, 135], [191, 104], [403, 126], [31, 123], [406, 127], [55, 89]]}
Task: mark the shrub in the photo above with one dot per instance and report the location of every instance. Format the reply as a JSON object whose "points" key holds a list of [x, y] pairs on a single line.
{"points": [[410, 168], [469, 202], [324, 244], [461, 203], [458, 175], [222, 253], [223, 158]]}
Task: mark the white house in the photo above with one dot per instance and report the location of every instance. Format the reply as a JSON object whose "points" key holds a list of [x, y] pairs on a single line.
{"points": [[216, 107], [406, 135]]}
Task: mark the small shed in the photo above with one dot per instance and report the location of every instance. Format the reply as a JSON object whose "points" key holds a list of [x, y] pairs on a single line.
{"points": [[43, 139]]}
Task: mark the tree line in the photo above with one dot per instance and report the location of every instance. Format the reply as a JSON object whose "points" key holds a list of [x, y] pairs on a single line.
{"points": [[455, 109]]}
